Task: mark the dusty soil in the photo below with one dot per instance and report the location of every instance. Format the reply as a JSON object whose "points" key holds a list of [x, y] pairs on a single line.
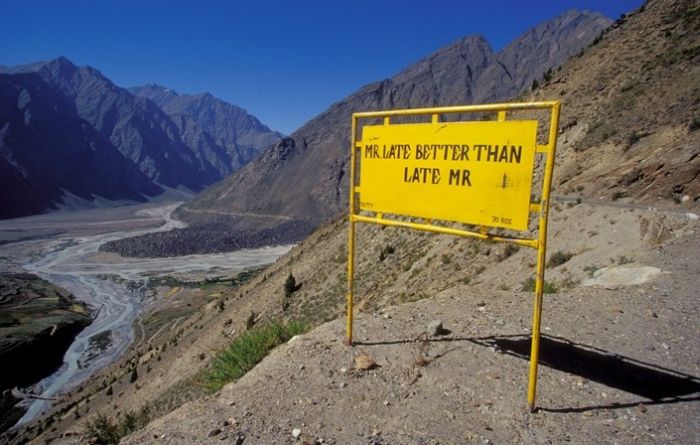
{"points": [[618, 366]]}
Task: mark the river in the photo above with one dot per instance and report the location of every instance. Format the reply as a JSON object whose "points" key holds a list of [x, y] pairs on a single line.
{"points": [[66, 254]]}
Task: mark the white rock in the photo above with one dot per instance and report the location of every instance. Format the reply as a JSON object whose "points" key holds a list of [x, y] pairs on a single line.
{"points": [[614, 277], [296, 432]]}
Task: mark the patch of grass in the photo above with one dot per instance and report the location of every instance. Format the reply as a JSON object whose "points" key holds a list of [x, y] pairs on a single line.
{"points": [[558, 258], [591, 270], [619, 194], [247, 351], [110, 431], [548, 288]]}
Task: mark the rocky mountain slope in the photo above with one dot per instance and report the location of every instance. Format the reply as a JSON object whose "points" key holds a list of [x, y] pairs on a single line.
{"points": [[619, 359], [192, 150], [212, 125], [47, 150], [305, 177]]}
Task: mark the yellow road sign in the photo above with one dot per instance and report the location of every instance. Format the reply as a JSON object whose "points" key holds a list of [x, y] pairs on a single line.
{"points": [[470, 172], [477, 173]]}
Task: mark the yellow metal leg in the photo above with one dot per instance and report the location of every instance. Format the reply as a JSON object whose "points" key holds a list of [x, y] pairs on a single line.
{"points": [[534, 351], [351, 261]]}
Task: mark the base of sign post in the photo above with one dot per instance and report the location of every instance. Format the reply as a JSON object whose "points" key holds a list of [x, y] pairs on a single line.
{"points": [[531, 408]]}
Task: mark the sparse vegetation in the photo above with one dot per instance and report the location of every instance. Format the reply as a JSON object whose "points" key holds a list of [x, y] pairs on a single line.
{"points": [[247, 351], [548, 288], [107, 431], [619, 194], [558, 258], [510, 250], [591, 270], [386, 251], [290, 286], [622, 259], [547, 76]]}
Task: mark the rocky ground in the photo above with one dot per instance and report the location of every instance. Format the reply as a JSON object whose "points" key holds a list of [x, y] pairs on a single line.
{"points": [[620, 364], [208, 238]]}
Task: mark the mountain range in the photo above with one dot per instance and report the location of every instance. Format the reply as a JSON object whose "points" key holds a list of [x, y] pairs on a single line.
{"points": [[68, 130], [302, 180], [306, 176], [616, 361]]}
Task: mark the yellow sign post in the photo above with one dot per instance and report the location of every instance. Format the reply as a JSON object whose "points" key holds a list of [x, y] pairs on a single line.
{"points": [[478, 173]]}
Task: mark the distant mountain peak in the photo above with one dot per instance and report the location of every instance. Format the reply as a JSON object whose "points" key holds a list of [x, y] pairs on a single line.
{"points": [[191, 148]]}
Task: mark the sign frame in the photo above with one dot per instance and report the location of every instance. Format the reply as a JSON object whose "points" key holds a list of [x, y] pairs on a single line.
{"points": [[541, 208]]}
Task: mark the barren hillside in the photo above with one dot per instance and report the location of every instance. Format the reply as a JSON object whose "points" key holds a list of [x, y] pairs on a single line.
{"points": [[620, 361]]}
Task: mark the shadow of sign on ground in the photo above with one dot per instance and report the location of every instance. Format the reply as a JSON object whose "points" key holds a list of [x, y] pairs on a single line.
{"points": [[654, 383]]}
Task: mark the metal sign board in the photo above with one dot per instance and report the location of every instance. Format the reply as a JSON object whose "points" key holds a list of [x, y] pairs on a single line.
{"points": [[471, 172]]}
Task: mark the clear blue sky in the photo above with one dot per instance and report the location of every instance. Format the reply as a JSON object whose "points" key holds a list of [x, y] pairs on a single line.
{"points": [[283, 61]]}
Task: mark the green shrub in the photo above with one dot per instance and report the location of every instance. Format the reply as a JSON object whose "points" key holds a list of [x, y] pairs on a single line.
{"points": [[619, 194], [103, 429], [290, 285], [558, 258], [110, 432], [547, 76], [548, 288], [591, 270], [248, 350]]}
